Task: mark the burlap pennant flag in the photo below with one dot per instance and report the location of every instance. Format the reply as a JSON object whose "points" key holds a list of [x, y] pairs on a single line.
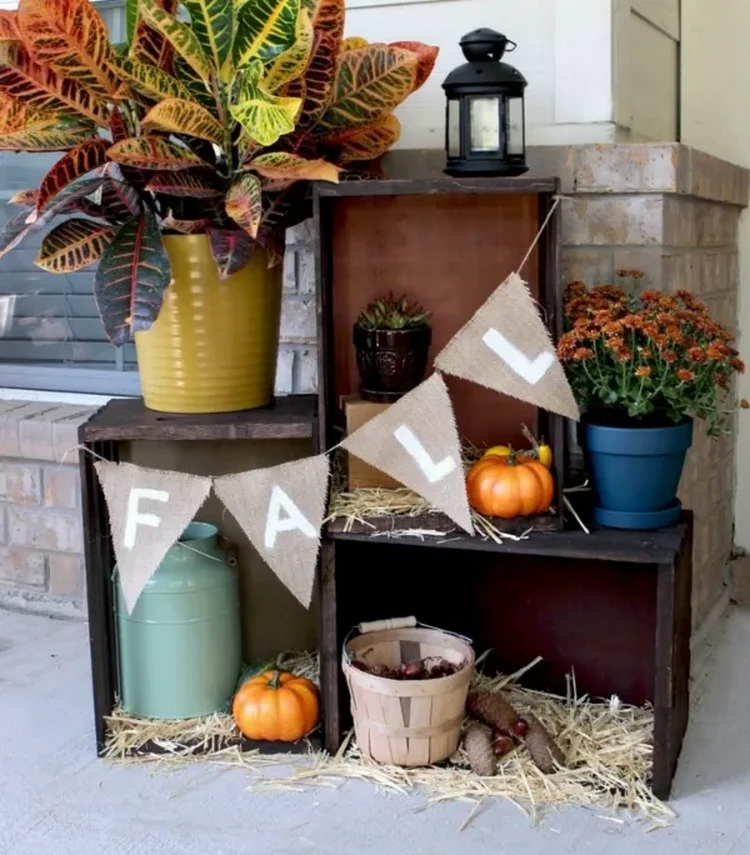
{"points": [[416, 442], [281, 510], [507, 347], [148, 511]]}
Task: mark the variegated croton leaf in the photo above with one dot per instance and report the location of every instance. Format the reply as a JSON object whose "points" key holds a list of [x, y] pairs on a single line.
{"points": [[76, 163], [73, 245], [265, 29], [153, 153], [70, 38], [131, 279], [264, 117], [183, 116], [231, 249], [244, 203]]}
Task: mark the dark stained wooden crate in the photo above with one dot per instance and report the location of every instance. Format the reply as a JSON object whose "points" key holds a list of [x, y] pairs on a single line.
{"points": [[127, 420], [612, 607], [448, 243]]}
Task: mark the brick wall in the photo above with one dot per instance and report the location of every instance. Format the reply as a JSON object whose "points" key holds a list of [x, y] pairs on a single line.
{"points": [[673, 213], [40, 522]]}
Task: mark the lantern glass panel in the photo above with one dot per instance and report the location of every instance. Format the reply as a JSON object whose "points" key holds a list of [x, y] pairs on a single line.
{"points": [[514, 130], [485, 124], [454, 127]]}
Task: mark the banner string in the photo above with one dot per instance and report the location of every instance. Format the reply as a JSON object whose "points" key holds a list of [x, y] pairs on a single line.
{"points": [[541, 231]]}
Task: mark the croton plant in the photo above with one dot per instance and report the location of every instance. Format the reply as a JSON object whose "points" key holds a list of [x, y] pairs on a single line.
{"points": [[212, 119]]}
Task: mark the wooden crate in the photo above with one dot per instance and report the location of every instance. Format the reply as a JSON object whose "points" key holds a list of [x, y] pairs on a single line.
{"points": [[449, 244], [614, 606], [102, 436]]}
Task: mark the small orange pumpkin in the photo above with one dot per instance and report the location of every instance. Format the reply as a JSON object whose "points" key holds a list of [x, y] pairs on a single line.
{"points": [[509, 486], [276, 706]]}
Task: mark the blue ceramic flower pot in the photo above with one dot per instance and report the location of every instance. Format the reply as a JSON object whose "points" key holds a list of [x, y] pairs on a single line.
{"points": [[635, 472]]}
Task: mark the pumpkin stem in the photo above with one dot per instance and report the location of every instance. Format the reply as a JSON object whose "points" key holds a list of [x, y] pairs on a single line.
{"points": [[275, 681], [512, 459]]}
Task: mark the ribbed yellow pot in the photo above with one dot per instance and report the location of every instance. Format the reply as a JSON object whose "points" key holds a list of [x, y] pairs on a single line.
{"points": [[213, 347]]}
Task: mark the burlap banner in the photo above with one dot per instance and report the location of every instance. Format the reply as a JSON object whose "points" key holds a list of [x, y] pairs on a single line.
{"points": [[416, 442], [507, 347], [281, 510], [148, 511]]}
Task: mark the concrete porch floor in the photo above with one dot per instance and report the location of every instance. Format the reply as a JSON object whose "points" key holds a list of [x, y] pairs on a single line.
{"points": [[57, 797]]}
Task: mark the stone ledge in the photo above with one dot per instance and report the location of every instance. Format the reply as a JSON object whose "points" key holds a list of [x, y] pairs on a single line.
{"points": [[605, 168], [41, 431]]}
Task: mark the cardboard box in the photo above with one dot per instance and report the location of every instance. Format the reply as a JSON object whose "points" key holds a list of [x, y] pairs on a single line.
{"points": [[361, 474]]}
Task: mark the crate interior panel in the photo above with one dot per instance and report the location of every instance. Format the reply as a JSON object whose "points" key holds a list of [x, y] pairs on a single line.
{"points": [[449, 252], [519, 607]]}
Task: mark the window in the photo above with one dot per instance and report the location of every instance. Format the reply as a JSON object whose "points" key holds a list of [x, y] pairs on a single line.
{"points": [[51, 337]]}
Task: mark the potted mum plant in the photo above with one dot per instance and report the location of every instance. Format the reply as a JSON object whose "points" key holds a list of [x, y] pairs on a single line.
{"points": [[643, 368], [392, 339], [187, 153]]}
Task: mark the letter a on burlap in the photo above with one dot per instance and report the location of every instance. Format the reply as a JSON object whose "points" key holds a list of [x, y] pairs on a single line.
{"points": [[281, 510]]}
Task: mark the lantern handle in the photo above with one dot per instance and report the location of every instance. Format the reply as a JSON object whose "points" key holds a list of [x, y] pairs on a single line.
{"points": [[509, 47]]}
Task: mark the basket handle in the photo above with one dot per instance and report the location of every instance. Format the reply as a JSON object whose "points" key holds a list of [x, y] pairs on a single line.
{"points": [[387, 623]]}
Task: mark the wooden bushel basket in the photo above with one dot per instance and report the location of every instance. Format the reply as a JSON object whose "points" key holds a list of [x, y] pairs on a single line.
{"points": [[407, 722]]}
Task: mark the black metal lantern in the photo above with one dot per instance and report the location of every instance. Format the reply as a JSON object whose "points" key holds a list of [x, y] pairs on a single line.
{"points": [[484, 121]]}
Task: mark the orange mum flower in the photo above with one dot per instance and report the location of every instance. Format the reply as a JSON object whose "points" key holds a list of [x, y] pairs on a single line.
{"points": [[685, 376], [675, 335], [722, 380], [615, 342], [738, 365], [645, 352], [632, 322], [643, 372], [669, 356], [613, 328], [583, 353], [696, 354], [624, 354], [566, 346], [717, 350]]}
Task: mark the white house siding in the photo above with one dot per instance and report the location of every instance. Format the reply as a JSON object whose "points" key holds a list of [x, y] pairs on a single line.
{"points": [[715, 111]]}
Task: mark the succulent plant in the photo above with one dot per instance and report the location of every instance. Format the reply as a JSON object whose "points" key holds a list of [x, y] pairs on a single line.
{"points": [[393, 313]]}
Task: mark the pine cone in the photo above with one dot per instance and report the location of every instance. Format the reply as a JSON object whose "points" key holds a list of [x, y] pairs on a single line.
{"points": [[492, 709], [478, 746], [542, 747]]}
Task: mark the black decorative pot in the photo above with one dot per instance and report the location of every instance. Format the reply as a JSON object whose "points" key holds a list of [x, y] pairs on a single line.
{"points": [[391, 362]]}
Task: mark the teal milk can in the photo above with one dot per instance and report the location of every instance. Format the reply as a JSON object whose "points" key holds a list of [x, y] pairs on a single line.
{"points": [[180, 650]]}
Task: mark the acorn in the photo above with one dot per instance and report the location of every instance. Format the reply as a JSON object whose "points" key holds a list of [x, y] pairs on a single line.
{"points": [[502, 744]]}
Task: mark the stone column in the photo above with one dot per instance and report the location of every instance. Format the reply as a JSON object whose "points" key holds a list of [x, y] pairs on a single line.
{"points": [[673, 213]]}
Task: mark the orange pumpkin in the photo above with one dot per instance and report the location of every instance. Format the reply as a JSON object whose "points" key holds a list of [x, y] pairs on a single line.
{"points": [[509, 486], [276, 706]]}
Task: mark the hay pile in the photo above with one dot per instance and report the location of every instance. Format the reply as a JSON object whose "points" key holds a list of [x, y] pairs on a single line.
{"points": [[608, 749]]}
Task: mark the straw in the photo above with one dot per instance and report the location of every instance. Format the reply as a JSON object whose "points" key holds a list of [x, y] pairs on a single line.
{"points": [[608, 747]]}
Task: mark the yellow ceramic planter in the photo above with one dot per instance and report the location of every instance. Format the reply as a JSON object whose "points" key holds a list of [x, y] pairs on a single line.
{"points": [[214, 346]]}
